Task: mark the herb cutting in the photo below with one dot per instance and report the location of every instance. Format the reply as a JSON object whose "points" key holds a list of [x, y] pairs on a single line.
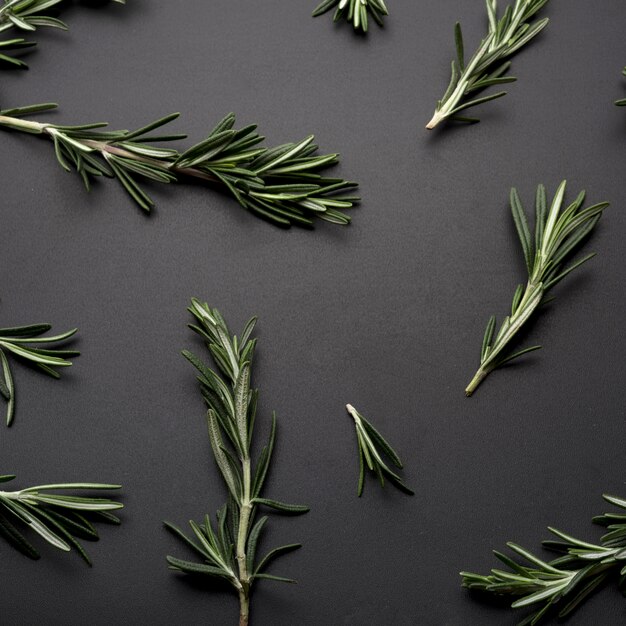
{"points": [[372, 447], [558, 233], [228, 551], [559, 586], [488, 66], [280, 184]]}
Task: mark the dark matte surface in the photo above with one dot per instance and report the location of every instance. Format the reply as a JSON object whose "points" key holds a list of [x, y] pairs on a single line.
{"points": [[387, 314]]}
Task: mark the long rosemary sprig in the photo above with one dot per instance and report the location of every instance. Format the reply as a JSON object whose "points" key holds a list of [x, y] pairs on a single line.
{"points": [[622, 103], [26, 342], [558, 233], [229, 551], [57, 518], [355, 11], [372, 447], [279, 184], [488, 66], [26, 16], [560, 586]]}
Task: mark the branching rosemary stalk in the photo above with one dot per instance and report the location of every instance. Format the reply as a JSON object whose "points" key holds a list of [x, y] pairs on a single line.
{"points": [[280, 184], [561, 585], [372, 445], [19, 342], [229, 551], [557, 234], [355, 11], [622, 103], [488, 66], [26, 15], [57, 518]]}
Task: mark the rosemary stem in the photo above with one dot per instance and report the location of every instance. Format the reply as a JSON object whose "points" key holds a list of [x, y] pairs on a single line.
{"points": [[20, 124], [480, 375], [242, 537]]}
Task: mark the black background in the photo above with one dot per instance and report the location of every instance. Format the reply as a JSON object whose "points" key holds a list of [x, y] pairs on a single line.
{"points": [[387, 314]]}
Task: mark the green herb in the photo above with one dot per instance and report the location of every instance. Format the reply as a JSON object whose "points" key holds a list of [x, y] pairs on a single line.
{"points": [[488, 67], [355, 11], [229, 550], [280, 184], [557, 234], [622, 103], [20, 341], [26, 15], [561, 585], [58, 518], [372, 447]]}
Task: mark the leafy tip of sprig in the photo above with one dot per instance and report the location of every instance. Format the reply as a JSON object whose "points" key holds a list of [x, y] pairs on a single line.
{"points": [[26, 16], [559, 232], [228, 550], [561, 585], [488, 66], [30, 344], [372, 446], [57, 518], [355, 11], [281, 184]]}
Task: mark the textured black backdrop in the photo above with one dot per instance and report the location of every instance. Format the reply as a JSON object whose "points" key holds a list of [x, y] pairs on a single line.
{"points": [[387, 314]]}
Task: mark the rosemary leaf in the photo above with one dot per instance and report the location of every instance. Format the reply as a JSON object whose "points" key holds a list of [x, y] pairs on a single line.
{"points": [[283, 184], [559, 231], [228, 550], [489, 65]]}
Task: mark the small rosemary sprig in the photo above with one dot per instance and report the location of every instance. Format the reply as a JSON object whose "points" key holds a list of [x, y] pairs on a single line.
{"points": [[26, 15], [560, 586], [355, 11], [57, 518], [24, 342], [372, 445], [557, 234], [488, 66], [229, 551], [622, 103], [279, 184]]}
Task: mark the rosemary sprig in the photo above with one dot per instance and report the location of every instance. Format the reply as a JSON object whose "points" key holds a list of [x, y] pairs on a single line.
{"points": [[279, 184], [24, 342], [229, 551], [557, 234], [355, 11], [561, 585], [488, 66], [622, 103], [57, 518], [372, 447], [26, 15]]}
